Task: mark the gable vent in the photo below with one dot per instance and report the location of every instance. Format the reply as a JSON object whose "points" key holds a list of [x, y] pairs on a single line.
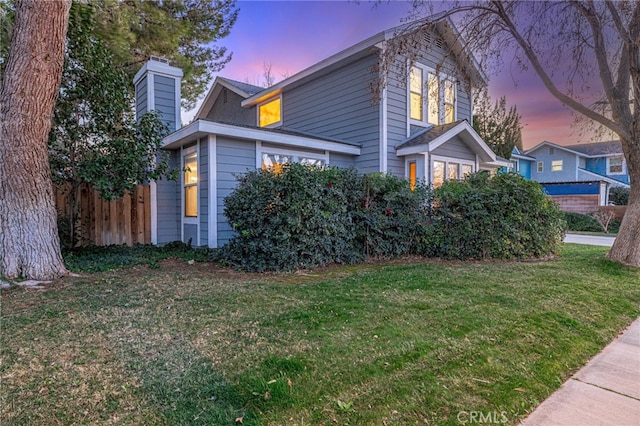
{"points": [[438, 42]]}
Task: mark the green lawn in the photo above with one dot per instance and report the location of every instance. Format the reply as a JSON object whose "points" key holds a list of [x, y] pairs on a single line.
{"points": [[405, 342]]}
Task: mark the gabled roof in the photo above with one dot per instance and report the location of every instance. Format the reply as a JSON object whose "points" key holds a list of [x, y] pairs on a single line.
{"points": [[443, 25], [589, 174], [598, 149], [588, 150], [203, 128], [435, 136], [243, 89]]}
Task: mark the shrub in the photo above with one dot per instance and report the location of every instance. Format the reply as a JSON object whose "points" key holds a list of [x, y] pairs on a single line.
{"points": [[391, 219], [619, 196], [581, 223], [303, 217], [505, 216]]}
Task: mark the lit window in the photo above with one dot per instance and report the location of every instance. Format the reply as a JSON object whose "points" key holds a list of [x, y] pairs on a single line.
{"points": [[415, 94], [615, 166], [540, 167], [191, 185], [452, 171], [439, 94], [270, 112], [556, 166], [412, 175], [467, 169], [438, 173], [275, 161], [433, 97], [449, 101]]}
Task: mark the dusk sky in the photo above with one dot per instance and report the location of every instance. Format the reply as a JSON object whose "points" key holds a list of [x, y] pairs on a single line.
{"points": [[293, 35]]}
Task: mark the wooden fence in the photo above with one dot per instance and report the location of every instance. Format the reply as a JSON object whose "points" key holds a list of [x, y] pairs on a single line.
{"points": [[101, 223]]}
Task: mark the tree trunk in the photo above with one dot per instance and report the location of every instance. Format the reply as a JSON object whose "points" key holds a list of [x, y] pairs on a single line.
{"points": [[29, 242], [626, 248]]}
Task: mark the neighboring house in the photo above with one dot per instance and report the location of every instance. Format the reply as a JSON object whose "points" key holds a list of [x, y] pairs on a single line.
{"points": [[419, 128], [578, 177]]}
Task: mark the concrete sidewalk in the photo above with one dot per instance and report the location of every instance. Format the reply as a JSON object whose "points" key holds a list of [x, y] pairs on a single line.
{"points": [[592, 240], [604, 392]]}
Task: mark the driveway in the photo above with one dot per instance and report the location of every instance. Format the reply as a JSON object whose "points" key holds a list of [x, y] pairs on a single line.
{"points": [[592, 240]]}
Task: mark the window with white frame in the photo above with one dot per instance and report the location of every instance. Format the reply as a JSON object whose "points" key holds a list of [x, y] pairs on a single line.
{"points": [[616, 165], [275, 158], [556, 166], [190, 182], [540, 166], [270, 112], [449, 169], [433, 102]]}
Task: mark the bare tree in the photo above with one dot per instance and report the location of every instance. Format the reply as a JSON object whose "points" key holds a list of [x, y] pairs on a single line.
{"points": [[586, 53], [29, 244]]}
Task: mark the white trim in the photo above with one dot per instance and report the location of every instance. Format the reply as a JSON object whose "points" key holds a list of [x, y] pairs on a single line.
{"points": [[213, 191], [613, 182], [274, 124], [427, 167], [608, 166], [183, 219], [294, 154], [539, 166], [201, 128], [383, 132], [328, 157], [462, 127], [178, 100], [151, 92], [446, 161], [580, 154], [157, 67], [258, 155], [153, 195]]}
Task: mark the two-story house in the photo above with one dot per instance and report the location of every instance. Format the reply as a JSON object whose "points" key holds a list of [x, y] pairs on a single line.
{"points": [[578, 177], [417, 126]]}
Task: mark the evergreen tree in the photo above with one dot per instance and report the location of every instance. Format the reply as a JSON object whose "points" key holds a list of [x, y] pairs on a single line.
{"points": [[500, 129]]}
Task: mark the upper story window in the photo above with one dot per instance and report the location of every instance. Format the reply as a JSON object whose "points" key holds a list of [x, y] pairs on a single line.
{"points": [[616, 165], [270, 112], [433, 102], [416, 100], [556, 166]]}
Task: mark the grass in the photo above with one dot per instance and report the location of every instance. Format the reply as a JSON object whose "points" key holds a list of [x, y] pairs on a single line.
{"points": [[402, 342]]}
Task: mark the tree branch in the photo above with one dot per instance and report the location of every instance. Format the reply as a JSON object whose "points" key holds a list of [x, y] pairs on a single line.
{"points": [[546, 79]]}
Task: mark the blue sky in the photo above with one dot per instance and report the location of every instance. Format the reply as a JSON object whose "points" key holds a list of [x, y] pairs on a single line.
{"points": [[292, 35]]}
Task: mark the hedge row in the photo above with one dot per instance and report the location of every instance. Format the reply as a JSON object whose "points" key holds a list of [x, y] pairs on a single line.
{"points": [[303, 217]]}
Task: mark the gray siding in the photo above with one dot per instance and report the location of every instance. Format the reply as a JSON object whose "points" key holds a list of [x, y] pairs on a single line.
{"points": [[168, 203], [165, 100], [234, 157], [455, 148], [227, 109], [141, 97], [339, 105], [190, 233], [397, 105], [341, 160], [203, 188]]}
